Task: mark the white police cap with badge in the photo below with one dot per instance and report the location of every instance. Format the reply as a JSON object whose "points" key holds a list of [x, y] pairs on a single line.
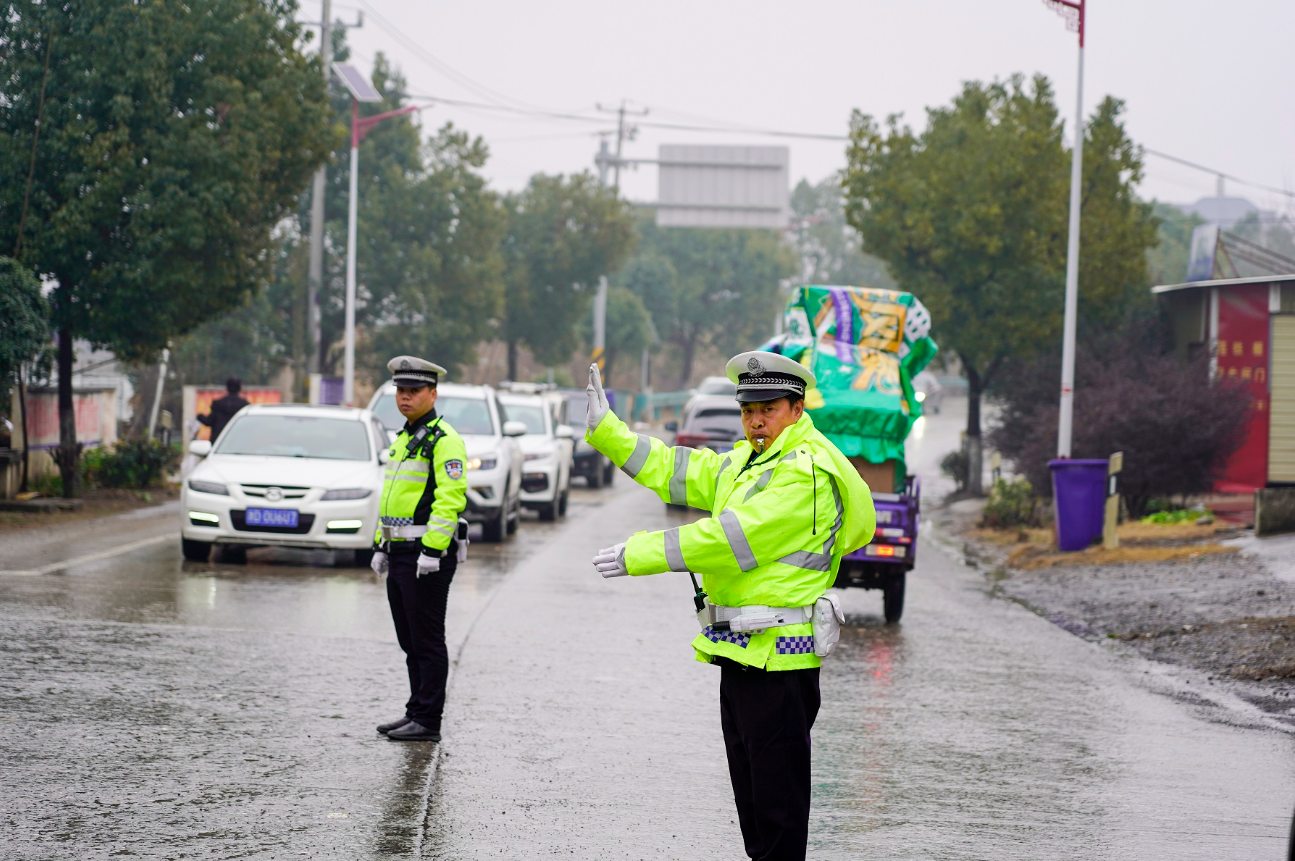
{"points": [[763, 376], [412, 371]]}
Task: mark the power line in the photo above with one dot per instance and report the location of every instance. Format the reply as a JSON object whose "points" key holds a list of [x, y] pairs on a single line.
{"points": [[463, 80], [1211, 170], [504, 102], [556, 115]]}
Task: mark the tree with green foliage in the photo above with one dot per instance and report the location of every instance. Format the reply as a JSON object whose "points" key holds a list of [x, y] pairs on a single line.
{"points": [[629, 329], [971, 216], [429, 270], [24, 320], [1167, 260], [830, 250], [720, 287], [160, 144], [564, 233], [430, 266]]}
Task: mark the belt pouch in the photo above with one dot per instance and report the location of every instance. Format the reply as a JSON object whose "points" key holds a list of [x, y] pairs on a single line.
{"points": [[827, 624]]}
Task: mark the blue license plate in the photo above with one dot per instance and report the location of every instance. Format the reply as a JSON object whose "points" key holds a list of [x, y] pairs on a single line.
{"points": [[271, 517]]}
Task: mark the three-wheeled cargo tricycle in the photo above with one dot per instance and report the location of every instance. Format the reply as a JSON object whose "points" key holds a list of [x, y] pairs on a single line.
{"points": [[864, 347]]}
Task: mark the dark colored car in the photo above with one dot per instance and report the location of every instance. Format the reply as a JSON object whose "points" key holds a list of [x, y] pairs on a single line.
{"points": [[712, 421]]}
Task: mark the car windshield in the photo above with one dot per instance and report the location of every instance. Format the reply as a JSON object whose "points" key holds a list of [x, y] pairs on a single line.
{"points": [[295, 436], [717, 420], [465, 415], [717, 386], [529, 415]]}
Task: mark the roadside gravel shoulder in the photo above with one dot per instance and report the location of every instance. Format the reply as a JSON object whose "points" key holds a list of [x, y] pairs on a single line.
{"points": [[1229, 617]]}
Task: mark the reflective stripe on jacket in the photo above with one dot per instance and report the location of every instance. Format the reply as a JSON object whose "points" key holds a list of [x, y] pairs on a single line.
{"points": [[779, 525], [416, 491]]}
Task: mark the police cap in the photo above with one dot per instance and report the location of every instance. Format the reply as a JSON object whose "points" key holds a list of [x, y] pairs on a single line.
{"points": [[763, 376], [414, 372]]}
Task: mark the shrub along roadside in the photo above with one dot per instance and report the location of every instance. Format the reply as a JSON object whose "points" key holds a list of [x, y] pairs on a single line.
{"points": [[1012, 503], [132, 463], [1176, 430]]}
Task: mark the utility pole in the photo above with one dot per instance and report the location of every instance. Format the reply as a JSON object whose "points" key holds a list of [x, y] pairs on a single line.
{"points": [[1073, 12], [315, 271], [603, 160], [623, 133], [599, 357], [315, 278]]}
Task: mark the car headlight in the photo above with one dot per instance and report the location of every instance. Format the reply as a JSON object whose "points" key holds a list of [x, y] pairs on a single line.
{"points": [[208, 487], [921, 396], [347, 493], [539, 455], [489, 461]]}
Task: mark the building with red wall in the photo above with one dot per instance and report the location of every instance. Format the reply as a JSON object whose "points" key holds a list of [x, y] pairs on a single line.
{"points": [[1247, 327]]}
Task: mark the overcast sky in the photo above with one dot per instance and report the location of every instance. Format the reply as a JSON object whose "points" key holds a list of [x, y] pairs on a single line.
{"points": [[1210, 82]]}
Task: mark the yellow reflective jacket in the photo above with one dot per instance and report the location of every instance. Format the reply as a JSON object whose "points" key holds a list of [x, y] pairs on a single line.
{"points": [[780, 523], [419, 491]]}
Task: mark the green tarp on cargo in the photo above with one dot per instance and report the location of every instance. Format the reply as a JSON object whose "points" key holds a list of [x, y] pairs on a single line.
{"points": [[864, 346]]}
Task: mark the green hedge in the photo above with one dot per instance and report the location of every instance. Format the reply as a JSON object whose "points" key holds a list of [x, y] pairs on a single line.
{"points": [[131, 463]]}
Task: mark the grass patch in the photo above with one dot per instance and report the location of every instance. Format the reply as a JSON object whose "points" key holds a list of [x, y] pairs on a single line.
{"points": [[1033, 556]]}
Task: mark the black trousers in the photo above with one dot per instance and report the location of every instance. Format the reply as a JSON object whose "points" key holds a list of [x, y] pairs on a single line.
{"points": [[418, 609], [766, 718]]}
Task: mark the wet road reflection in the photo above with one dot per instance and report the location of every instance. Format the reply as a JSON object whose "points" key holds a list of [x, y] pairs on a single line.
{"points": [[157, 707], [154, 706]]}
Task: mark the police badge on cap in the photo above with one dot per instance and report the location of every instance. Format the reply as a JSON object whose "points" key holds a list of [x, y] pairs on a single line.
{"points": [[763, 376], [414, 372]]}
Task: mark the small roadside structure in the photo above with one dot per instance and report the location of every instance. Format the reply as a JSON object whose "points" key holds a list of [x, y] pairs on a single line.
{"points": [[1247, 328]]}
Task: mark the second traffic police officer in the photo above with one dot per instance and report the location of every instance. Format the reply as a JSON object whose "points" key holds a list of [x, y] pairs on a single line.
{"points": [[785, 506], [418, 543]]}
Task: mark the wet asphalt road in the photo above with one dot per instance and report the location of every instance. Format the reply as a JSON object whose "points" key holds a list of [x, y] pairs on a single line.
{"points": [[159, 708]]}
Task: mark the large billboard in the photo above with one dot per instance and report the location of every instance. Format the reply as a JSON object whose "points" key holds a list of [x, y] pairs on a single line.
{"points": [[723, 186]]}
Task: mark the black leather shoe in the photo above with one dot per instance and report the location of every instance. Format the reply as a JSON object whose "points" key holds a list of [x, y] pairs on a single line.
{"points": [[414, 731], [385, 728]]}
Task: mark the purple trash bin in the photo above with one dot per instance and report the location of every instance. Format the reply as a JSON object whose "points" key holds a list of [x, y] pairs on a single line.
{"points": [[1079, 493]]}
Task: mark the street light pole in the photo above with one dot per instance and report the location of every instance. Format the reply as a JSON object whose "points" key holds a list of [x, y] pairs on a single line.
{"points": [[361, 91], [1073, 11]]}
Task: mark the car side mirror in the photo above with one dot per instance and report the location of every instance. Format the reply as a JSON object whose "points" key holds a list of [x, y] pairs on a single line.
{"points": [[384, 456], [673, 427], [514, 428], [200, 447], [564, 432]]}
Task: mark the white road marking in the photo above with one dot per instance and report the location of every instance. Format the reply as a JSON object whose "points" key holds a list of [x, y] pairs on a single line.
{"points": [[80, 560]]}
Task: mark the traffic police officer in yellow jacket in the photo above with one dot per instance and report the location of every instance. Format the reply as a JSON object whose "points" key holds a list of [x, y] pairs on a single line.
{"points": [[418, 543], [785, 506]]}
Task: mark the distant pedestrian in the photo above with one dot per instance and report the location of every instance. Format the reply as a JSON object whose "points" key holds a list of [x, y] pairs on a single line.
{"points": [[223, 409]]}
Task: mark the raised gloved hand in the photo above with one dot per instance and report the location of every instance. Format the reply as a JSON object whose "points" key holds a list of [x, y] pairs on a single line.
{"points": [[379, 563], [427, 564], [598, 406], [610, 561]]}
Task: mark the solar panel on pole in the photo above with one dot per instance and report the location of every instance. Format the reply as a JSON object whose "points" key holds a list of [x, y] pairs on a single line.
{"points": [[356, 84]]}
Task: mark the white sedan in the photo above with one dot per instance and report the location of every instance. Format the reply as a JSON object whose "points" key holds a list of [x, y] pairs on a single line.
{"points": [[287, 476], [494, 458], [547, 448]]}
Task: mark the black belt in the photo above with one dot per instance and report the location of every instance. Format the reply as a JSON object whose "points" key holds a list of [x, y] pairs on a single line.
{"points": [[729, 662]]}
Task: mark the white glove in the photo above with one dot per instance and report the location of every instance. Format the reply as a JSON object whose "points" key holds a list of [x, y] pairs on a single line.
{"points": [[610, 562], [598, 406], [427, 564], [379, 563]]}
